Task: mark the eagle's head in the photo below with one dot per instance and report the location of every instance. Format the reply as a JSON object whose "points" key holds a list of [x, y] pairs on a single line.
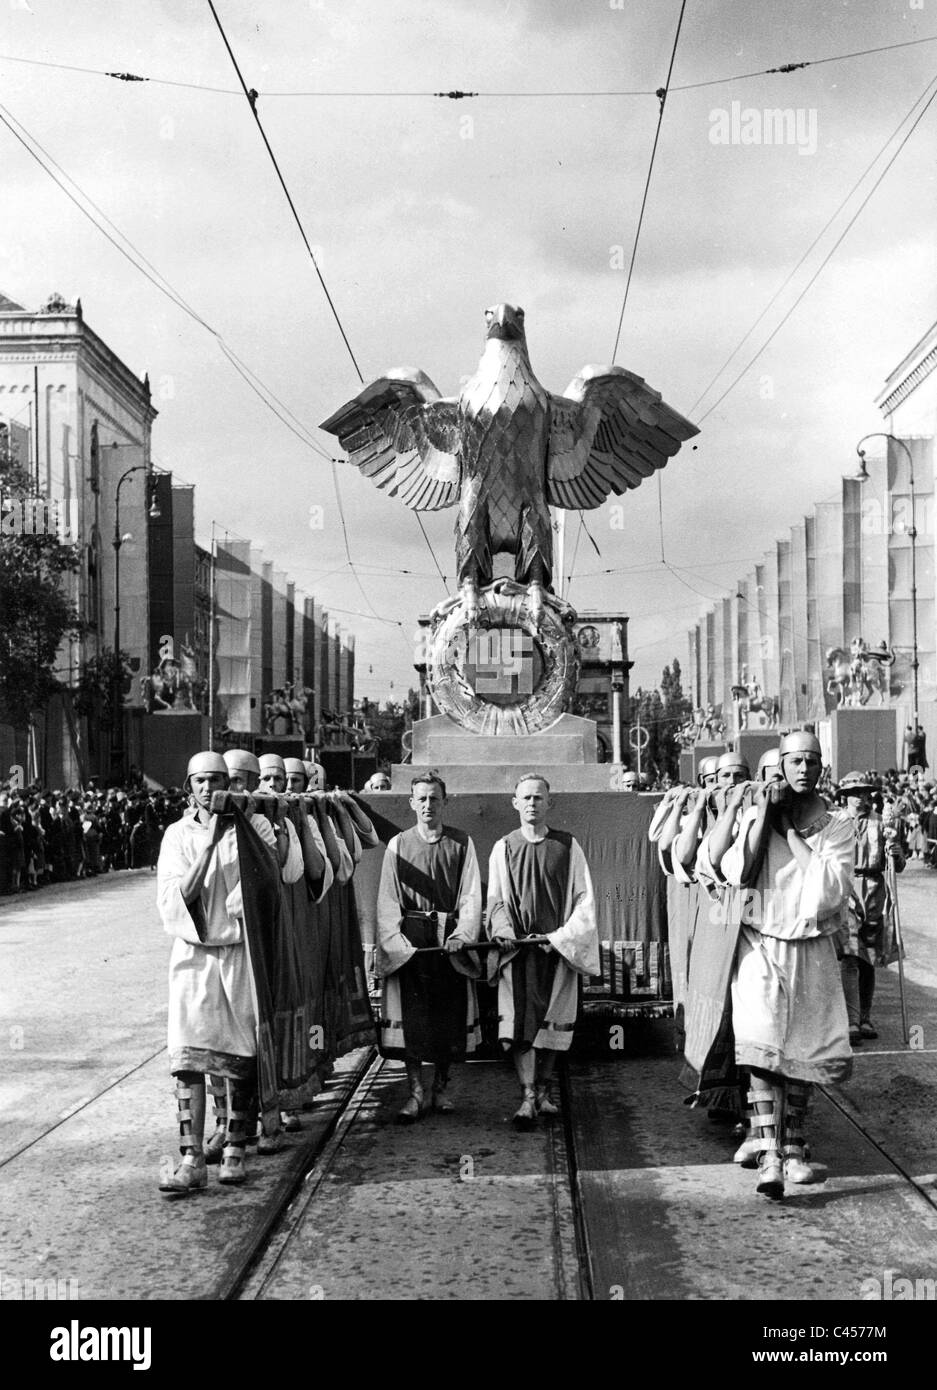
{"points": [[505, 322]]}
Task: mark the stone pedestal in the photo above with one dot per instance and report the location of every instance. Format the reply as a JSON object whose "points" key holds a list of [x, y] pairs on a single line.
{"points": [[565, 753], [751, 743], [862, 739], [168, 741], [690, 759]]}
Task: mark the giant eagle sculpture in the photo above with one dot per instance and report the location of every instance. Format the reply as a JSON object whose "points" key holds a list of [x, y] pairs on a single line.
{"points": [[506, 450]]}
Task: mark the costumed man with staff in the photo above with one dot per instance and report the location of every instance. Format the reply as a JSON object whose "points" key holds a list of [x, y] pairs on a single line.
{"points": [[788, 1011], [735, 799], [429, 897], [539, 886], [868, 903], [707, 968], [212, 1006]]}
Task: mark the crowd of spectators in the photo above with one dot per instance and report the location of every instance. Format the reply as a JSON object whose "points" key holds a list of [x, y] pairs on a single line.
{"points": [[54, 836]]}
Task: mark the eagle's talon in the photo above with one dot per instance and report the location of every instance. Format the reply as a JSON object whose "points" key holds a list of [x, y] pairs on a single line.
{"points": [[535, 603], [470, 603]]}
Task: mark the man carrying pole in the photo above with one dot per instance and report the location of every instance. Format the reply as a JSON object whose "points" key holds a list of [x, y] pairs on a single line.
{"points": [[539, 885], [429, 896]]}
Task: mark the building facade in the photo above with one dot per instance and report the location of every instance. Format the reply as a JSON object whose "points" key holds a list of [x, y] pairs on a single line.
{"points": [[237, 628], [82, 420], [269, 638], [850, 576]]}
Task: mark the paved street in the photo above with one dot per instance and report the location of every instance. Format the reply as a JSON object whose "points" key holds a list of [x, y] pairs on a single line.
{"points": [[86, 1118]]}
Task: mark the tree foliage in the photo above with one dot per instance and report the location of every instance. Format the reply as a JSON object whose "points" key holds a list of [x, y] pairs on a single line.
{"points": [[37, 613], [99, 677], [662, 712]]}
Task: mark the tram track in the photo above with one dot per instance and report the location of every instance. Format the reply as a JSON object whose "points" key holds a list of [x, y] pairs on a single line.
{"points": [[278, 1239], [83, 1104], [929, 1196], [248, 1280], [590, 1229]]}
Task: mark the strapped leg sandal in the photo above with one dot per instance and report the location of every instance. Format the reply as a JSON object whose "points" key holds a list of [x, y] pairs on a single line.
{"points": [[242, 1113], [191, 1175], [794, 1150], [750, 1150], [766, 1126], [218, 1090]]}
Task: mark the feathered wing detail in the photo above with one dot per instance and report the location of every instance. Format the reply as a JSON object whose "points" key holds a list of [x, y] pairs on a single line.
{"points": [[405, 437], [608, 432]]}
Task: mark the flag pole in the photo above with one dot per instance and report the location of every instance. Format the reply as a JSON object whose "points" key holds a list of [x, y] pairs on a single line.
{"points": [[211, 642], [892, 880]]}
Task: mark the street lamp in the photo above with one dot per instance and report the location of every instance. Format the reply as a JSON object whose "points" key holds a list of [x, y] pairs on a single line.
{"points": [[862, 477], [117, 542]]}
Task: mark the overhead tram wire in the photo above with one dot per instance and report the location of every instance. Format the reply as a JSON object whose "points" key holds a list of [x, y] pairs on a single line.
{"points": [[647, 183], [817, 239], [140, 263], [662, 96], [146, 268], [432, 552], [351, 564], [782, 69], [810, 283], [252, 97], [829, 255]]}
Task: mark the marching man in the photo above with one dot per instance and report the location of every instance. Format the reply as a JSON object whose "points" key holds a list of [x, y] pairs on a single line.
{"points": [[429, 896], [788, 1010], [212, 1012], [539, 885], [868, 944]]}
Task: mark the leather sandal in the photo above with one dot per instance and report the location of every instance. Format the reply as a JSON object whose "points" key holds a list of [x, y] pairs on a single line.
{"points": [[748, 1153], [233, 1169], [525, 1117], [545, 1105], [866, 1029], [269, 1143], [190, 1176], [214, 1145], [440, 1101], [412, 1109], [796, 1170], [771, 1175]]}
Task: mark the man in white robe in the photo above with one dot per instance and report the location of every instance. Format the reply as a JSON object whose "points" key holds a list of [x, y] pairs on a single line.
{"points": [[539, 885], [212, 1003], [795, 857]]}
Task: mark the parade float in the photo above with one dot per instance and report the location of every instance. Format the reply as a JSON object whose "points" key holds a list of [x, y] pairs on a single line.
{"points": [[503, 655]]}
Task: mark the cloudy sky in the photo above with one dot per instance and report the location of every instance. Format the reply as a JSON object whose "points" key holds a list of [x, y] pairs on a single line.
{"points": [[423, 211]]}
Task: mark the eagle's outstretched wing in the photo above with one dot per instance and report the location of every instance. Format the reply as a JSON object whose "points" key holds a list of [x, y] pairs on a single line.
{"points": [[608, 432], [405, 437]]}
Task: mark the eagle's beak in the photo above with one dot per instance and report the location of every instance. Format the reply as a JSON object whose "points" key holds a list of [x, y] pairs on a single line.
{"points": [[503, 323]]}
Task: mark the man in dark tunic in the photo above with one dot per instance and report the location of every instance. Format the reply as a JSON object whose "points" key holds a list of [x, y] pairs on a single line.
{"points": [[429, 896], [539, 885]]}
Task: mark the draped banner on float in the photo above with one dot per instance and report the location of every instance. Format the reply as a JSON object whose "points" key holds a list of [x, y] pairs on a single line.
{"points": [[630, 889], [308, 967]]}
